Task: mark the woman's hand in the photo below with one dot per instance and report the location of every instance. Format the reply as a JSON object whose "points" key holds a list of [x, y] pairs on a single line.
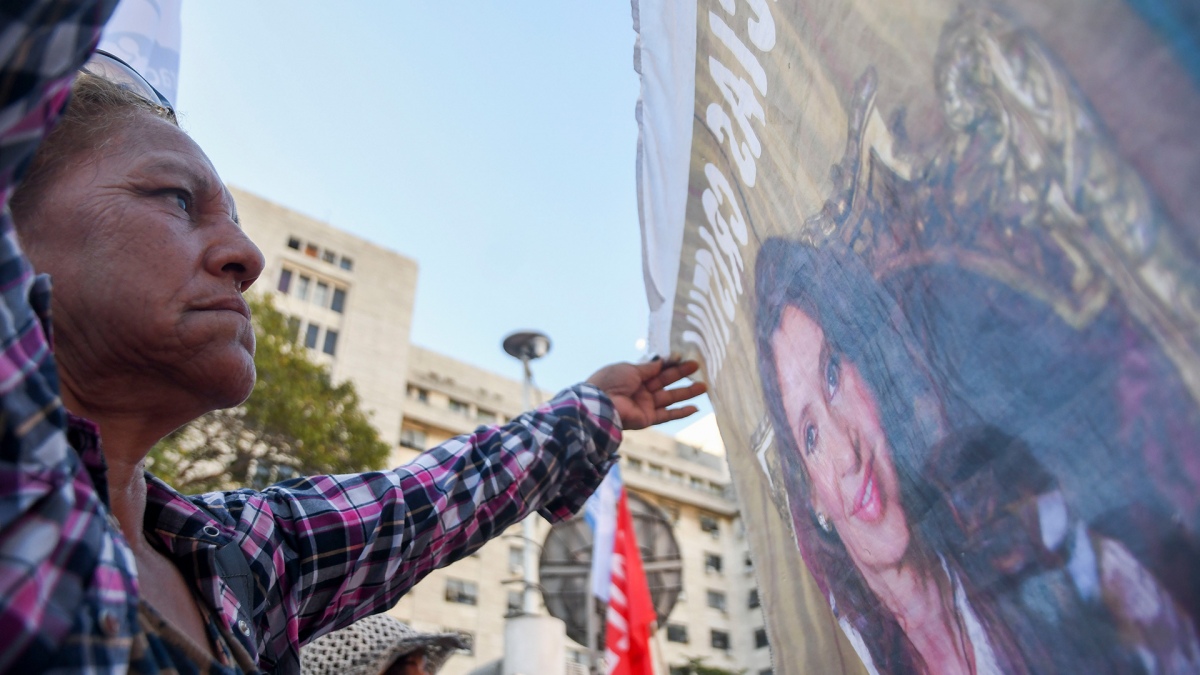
{"points": [[639, 392]]}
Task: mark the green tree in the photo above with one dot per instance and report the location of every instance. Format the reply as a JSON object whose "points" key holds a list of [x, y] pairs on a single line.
{"points": [[297, 422]]}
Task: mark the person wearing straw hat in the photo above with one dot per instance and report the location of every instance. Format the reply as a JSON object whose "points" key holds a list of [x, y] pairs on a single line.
{"points": [[379, 645]]}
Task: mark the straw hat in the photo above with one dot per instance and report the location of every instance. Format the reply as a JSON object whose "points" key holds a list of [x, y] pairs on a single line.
{"points": [[368, 646]]}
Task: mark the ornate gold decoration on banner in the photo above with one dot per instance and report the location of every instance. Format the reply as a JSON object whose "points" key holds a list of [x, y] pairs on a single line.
{"points": [[1024, 186]]}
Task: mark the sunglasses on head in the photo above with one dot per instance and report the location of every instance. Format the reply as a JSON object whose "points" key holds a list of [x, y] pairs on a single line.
{"points": [[108, 67]]}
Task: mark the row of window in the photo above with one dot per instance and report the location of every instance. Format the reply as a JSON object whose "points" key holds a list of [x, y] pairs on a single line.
{"points": [[313, 251], [317, 293], [716, 599], [658, 471], [462, 592], [463, 408], [413, 438], [312, 335], [719, 639]]}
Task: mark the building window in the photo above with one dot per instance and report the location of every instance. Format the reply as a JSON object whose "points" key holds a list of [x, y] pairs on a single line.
{"points": [[285, 280], [293, 328], [330, 342], [716, 600], [418, 393], [710, 525], [294, 243], [321, 295], [302, 287], [754, 601], [339, 301], [413, 438], [675, 477], [760, 638], [719, 640], [462, 592], [654, 470], [712, 563], [486, 416], [328, 256], [515, 604], [310, 336], [310, 250], [672, 513], [459, 407], [699, 484], [635, 464], [346, 264], [516, 559], [677, 632]]}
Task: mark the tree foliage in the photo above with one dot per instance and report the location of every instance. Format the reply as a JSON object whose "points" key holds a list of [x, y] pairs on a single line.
{"points": [[296, 422]]}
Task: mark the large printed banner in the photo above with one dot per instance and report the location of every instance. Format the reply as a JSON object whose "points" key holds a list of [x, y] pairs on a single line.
{"points": [[941, 262]]}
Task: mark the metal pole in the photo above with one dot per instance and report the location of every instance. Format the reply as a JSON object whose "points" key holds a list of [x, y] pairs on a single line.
{"points": [[528, 600], [592, 628]]}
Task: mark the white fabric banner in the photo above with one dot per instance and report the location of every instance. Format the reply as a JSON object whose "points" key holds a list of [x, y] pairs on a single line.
{"points": [[665, 57], [146, 35]]}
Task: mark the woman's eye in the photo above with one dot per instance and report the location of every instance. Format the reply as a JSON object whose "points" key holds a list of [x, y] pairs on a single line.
{"points": [[810, 439], [832, 373], [182, 199]]}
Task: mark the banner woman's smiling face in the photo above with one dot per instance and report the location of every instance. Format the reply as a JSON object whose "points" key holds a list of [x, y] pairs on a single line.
{"points": [[833, 417]]}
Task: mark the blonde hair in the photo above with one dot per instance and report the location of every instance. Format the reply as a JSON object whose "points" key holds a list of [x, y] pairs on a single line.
{"points": [[98, 108]]}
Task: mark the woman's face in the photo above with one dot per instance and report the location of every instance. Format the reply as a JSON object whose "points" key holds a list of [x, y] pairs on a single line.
{"points": [[834, 419], [149, 264], [409, 664]]}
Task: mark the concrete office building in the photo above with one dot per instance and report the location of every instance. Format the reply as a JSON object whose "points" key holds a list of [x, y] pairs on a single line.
{"points": [[351, 301], [351, 304]]}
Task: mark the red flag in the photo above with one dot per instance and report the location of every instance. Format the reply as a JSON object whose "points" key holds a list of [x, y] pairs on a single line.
{"points": [[630, 615]]}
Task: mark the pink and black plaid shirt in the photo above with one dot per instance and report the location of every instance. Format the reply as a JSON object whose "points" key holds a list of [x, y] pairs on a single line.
{"points": [[323, 551]]}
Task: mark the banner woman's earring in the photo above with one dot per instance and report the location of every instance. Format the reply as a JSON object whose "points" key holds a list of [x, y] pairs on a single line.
{"points": [[824, 522]]}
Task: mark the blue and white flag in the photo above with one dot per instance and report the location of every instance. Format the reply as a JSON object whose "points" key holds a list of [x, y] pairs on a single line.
{"points": [[600, 512]]}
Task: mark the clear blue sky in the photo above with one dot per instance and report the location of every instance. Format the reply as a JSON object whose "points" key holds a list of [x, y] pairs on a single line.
{"points": [[493, 142]]}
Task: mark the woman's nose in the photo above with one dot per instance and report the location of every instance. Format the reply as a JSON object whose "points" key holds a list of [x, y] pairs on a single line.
{"points": [[233, 255], [849, 447]]}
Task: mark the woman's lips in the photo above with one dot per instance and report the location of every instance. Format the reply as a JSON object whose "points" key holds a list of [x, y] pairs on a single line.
{"points": [[867, 505]]}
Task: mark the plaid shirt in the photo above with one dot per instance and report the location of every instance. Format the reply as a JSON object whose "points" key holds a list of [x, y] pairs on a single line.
{"points": [[324, 551]]}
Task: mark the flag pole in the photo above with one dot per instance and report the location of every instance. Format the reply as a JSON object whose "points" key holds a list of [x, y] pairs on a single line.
{"points": [[592, 628]]}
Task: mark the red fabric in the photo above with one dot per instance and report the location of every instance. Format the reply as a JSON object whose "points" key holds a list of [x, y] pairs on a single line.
{"points": [[630, 616]]}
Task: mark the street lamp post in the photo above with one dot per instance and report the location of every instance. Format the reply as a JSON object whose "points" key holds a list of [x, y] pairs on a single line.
{"points": [[527, 346]]}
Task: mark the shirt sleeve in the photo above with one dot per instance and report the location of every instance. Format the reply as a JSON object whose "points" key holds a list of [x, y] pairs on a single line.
{"points": [[59, 569], [328, 550]]}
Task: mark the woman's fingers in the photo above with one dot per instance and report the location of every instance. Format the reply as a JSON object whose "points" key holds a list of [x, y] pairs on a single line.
{"points": [[666, 397], [669, 414], [670, 373]]}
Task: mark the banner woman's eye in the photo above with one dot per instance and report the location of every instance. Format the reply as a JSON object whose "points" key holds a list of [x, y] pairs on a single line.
{"points": [[810, 438], [833, 373]]}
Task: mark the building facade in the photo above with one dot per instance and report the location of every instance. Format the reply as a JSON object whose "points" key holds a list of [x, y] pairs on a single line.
{"points": [[716, 616], [350, 302]]}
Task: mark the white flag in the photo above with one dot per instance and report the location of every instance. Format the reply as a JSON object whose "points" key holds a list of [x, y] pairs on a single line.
{"points": [[600, 512], [146, 35]]}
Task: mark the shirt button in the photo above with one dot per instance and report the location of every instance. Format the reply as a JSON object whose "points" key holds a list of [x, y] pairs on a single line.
{"points": [[109, 623], [244, 627], [211, 530]]}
